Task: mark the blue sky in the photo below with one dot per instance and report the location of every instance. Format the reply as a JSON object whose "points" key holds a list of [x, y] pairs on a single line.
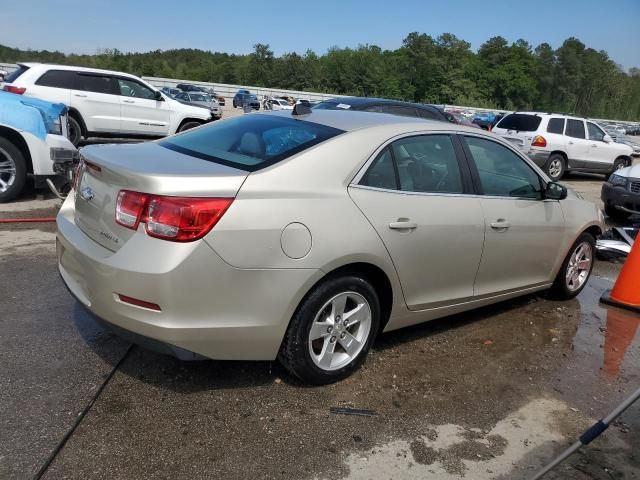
{"points": [[83, 26]]}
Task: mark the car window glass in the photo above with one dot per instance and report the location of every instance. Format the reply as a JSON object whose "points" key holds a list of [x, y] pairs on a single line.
{"points": [[130, 88], [371, 108], [502, 172], [381, 173], [95, 83], [427, 163], [595, 133], [57, 79], [426, 113], [197, 97], [556, 125], [13, 76], [402, 110], [575, 128], [521, 122]]}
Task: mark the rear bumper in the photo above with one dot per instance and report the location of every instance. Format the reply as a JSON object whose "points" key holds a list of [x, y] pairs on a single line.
{"points": [[207, 307], [539, 157], [620, 198]]}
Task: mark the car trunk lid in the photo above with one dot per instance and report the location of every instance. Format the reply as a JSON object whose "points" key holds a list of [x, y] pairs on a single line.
{"points": [[147, 168]]}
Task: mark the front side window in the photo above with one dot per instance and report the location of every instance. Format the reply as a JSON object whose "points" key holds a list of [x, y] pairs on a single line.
{"points": [[556, 125], [58, 79], [427, 163], [95, 83], [503, 173], [595, 132], [250, 142], [131, 88], [575, 128]]}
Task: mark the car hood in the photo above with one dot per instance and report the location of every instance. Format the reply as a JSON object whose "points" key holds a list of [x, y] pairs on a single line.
{"points": [[29, 114], [633, 172]]}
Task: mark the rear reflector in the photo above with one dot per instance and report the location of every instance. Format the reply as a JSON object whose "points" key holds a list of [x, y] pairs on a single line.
{"points": [[179, 219], [16, 90], [539, 141], [138, 303]]}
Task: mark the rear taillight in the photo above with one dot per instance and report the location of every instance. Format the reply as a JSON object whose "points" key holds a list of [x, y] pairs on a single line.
{"points": [[12, 89], [77, 173], [539, 141], [179, 219]]}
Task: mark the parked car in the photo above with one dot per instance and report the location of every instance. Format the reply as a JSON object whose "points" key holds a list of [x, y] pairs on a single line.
{"points": [[560, 143], [274, 236], [3, 74], [172, 92], [621, 193], [487, 120], [459, 119], [244, 97], [279, 104], [33, 136], [201, 100], [188, 87], [103, 103], [381, 105]]}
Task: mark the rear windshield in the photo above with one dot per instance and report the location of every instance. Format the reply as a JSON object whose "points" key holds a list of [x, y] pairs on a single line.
{"points": [[250, 142], [13, 76], [520, 122]]}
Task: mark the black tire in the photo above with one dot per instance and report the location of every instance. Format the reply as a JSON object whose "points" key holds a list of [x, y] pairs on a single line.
{"points": [[11, 157], [618, 164], [295, 353], [555, 167], [188, 125], [234, 104], [75, 131], [616, 214], [560, 290]]}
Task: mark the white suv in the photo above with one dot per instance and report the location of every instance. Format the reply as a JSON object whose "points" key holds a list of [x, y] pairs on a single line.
{"points": [[559, 143], [104, 103]]}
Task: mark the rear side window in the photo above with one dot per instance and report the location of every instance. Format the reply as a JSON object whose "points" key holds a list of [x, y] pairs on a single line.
{"points": [[426, 113], [13, 76], [58, 79], [250, 142], [381, 173], [520, 122], [556, 125], [401, 110], [575, 128], [95, 83]]}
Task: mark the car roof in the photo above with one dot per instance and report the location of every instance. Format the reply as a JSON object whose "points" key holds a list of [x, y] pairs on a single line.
{"points": [[355, 120], [54, 66]]}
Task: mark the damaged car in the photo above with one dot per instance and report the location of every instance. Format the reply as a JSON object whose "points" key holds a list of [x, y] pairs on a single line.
{"points": [[621, 193]]}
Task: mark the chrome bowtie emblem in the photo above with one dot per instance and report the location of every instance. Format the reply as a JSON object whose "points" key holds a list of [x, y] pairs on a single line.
{"points": [[87, 194]]}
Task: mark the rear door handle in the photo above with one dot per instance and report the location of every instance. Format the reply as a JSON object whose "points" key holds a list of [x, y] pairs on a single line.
{"points": [[129, 101], [403, 225], [594, 145], [81, 95], [500, 224]]}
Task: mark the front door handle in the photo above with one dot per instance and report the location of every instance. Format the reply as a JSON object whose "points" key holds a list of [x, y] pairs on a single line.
{"points": [[595, 145], [129, 101], [403, 224], [81, 95], [500, 224], [570, 143]]}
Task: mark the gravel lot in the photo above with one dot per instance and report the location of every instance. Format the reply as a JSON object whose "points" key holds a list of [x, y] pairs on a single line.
{"points": [[490, 394]]}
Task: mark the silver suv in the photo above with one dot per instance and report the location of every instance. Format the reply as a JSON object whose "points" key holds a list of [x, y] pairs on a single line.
{"points": [[560, 143]]}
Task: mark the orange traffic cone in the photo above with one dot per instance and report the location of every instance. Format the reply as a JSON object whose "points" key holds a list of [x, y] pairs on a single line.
{"points": [[621, 330], [626, 291]]}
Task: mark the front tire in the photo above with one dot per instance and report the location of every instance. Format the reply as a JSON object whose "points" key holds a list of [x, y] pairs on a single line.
{"points": [[188, 125], [75, 131], [555, 167], [13, 171], [576, 268], [332, 331]]}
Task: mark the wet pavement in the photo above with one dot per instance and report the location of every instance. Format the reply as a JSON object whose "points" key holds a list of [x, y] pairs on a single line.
{"points": [[492, 393]]}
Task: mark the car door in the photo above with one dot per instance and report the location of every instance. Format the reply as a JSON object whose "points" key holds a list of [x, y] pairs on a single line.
{"points": [[576, 143], [522, 229], [601, 154], [142, 113], [95, 97], [417, 195]]}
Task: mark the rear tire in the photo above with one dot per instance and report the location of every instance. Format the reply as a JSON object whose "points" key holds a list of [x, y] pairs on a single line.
{"points": [[75, 131], [555, 167], [332, 330], [13, 171], [576, 268], [616, 214]]}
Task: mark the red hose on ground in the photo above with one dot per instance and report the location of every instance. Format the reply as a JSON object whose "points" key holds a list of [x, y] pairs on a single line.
{"points": [[28, 220]]}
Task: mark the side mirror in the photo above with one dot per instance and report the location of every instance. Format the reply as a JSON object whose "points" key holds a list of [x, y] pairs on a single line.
{"points": [[607, 138], [158, 96], [555, 191]]}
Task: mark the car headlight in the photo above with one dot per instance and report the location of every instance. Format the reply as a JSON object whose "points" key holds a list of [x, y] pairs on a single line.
{"points": [[617, 180], [56, 127]]}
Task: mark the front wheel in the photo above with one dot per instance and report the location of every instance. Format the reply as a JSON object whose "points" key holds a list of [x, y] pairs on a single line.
{"points": [[576, 268], [188, 126], [13, 171], [555, 167], [619, 164], [75, 131], [332, 330]]}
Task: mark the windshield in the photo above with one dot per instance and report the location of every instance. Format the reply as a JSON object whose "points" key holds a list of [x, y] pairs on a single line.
{"points": [[199, 97], [250, 142]]}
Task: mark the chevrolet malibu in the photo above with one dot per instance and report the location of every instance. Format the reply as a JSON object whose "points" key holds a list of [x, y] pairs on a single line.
{"points": [[303, 236]]}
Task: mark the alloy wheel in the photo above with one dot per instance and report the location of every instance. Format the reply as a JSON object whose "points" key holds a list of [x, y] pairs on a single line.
{"points": [[7, 170], [339, 331], [555, 168], [579, 266]]}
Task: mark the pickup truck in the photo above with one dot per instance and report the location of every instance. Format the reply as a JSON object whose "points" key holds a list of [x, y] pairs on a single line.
{"points": [[34, 145]]}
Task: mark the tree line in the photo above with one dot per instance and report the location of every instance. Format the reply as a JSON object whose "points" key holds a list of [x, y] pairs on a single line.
{"points": [[442, 70]]}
